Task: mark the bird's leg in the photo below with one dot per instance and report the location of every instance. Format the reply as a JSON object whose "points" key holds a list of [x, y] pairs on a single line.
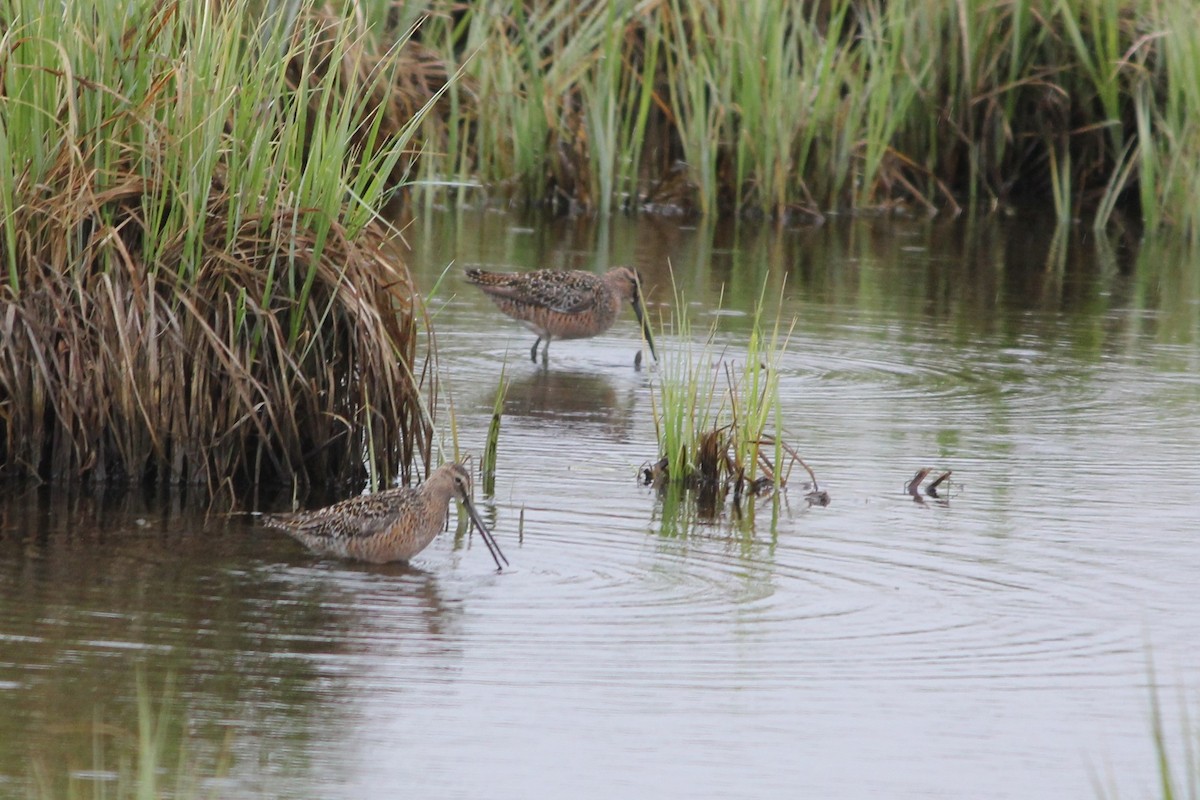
{"points": [[533, 352]]}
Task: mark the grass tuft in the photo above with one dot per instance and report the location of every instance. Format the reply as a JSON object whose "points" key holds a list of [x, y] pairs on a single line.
{"points": [[712, 413], [197, 290]]}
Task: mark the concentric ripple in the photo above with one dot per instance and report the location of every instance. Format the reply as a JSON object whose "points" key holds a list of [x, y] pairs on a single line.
{"points": [[1002, 581]]}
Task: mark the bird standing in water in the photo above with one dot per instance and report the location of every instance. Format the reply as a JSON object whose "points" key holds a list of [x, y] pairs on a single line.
{"points": [[564, 304], [392, 525]]}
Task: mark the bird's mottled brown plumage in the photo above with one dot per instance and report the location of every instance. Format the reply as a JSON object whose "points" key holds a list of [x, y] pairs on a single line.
{"points": [[564, 304], [392, 525]]}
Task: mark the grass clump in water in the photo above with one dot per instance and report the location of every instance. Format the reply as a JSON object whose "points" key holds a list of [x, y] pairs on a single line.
{"points": [[196, 290], [712, 414]]}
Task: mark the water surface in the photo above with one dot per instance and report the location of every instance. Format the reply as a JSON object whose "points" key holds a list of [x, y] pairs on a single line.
{"points": [[997, 644]]}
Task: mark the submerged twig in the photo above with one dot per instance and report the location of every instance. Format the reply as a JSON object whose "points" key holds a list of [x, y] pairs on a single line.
{"points": [[719, 471], [913, 485], [931, 489], [816, 495]]}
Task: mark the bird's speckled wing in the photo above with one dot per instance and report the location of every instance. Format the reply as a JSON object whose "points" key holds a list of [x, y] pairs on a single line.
{"points": [[566, 292], [361, 516]]}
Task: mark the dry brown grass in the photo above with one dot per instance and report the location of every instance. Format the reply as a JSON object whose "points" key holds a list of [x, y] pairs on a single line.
{"points": [[119, 372], [163, 328]]}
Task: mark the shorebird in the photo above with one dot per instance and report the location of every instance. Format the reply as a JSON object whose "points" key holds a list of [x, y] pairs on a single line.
{"points": [[564, 304], [392, 525]]}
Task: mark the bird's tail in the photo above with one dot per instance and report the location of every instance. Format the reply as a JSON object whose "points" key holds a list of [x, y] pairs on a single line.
{"points": [[481, 277]]}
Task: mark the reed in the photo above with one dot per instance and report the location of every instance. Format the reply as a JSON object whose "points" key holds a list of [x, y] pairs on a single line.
{"points": [[197, 288], [1175, 781], [712, 412], [1173, 154], [724, 107], [487, 465], [754, 405], [684, 402]]}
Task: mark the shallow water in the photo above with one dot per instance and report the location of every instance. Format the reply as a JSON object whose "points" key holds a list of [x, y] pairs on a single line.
{"points": [[996, 644]]}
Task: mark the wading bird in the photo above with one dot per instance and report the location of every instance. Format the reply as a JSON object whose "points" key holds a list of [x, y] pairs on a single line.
{"points": [[392, 525], [565, 304]]}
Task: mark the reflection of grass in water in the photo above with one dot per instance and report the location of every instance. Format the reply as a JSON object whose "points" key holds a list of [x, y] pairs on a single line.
{"points": [[150, 763], [685, 511]]}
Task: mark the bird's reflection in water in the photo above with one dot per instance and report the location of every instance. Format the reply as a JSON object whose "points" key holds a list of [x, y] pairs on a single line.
{"points": [[416, 608], [571, 398], [242, 624]]}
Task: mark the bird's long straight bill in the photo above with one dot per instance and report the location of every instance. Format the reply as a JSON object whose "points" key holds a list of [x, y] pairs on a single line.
{"points": [[640, 313], [492, 545]]}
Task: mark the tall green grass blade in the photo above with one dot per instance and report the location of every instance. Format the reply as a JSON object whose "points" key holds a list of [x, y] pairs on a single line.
{"points": [[487, 465], [8, 199]]}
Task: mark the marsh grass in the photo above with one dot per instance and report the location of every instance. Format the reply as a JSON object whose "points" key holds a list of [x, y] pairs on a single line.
{"points": [[1175, 781], [797, 109], [197, 289], [491, 447], [713, 413]]}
